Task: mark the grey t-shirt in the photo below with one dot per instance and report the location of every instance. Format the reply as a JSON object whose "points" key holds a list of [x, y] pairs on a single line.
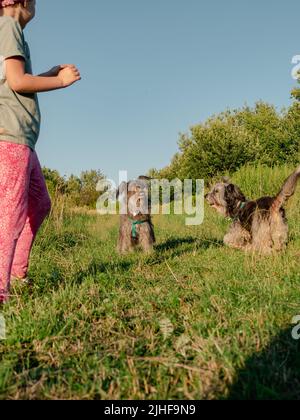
{"points": [[20, 116]]}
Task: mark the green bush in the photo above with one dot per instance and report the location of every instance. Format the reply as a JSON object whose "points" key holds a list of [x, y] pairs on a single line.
{"points": [[80, 191], [296, 92], [226, 142]]}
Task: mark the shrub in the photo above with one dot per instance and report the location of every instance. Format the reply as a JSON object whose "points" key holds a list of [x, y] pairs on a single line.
{"points": [[226, 142]]}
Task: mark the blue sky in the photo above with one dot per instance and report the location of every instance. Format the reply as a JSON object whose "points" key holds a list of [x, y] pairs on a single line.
{"points": [[152, 69]]}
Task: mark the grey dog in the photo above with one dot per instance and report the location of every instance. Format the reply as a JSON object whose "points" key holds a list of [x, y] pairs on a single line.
{"points": [[260, 225], [136, 227]]}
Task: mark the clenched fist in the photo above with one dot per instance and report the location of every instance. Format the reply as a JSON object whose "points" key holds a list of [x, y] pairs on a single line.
{"points": [[68, 74]]}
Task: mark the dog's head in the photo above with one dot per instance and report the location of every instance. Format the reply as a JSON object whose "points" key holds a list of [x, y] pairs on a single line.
{"points": [[225, 198], [135, 197]]}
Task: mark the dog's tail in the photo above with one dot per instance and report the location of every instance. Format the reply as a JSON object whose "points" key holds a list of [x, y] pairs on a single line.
{"points": [[287, 191]]}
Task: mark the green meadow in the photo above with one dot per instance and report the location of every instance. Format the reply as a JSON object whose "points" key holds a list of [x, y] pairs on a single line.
{"points": [[194, 320]]}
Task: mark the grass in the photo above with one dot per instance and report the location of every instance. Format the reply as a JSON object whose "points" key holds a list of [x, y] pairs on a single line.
{"points": [[195, 320]]}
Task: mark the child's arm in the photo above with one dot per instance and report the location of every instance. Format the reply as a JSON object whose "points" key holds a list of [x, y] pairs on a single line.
{"points": [[21, 82], [55, 70]]}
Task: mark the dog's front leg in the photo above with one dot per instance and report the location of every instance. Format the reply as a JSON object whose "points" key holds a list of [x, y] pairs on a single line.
{"points": [[125, 245], [147, 238]]}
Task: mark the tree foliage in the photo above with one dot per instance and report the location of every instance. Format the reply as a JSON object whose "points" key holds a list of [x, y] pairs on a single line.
{"points": [[81, 190], [226, 142], [296, 91]]}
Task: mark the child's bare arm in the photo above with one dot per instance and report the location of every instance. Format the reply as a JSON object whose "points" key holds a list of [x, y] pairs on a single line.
{"points": [[21, 82], [56, 69]]}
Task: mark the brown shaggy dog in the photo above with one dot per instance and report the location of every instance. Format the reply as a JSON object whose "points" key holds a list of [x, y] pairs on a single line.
{"points": [[259, 225], [136, 228]]}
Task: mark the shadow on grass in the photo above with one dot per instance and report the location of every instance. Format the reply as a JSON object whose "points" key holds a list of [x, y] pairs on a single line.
{"points": [[175, 247], [273, 374], [171, 248], [96, 267], [56, 277], [175, 243]]}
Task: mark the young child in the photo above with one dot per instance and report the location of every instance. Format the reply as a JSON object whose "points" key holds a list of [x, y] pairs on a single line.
{"points": [[24, 199]]}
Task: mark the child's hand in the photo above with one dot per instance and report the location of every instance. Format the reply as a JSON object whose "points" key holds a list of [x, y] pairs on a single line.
{"points": [[24, 83], [68, 75], [55, 70]]}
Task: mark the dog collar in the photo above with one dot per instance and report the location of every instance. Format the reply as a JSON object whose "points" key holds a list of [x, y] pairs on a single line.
{"points": [[241, 206], [134, 224]]}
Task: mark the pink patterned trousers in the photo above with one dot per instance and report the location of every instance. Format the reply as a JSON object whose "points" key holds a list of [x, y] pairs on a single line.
{"points": [[24, 204]]}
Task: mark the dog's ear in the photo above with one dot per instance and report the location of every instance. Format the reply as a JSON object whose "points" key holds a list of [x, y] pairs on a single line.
{"points": [[122, 188], [144, 178], [230, 188], [226, 180], [234, 192], [145, 181]]}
